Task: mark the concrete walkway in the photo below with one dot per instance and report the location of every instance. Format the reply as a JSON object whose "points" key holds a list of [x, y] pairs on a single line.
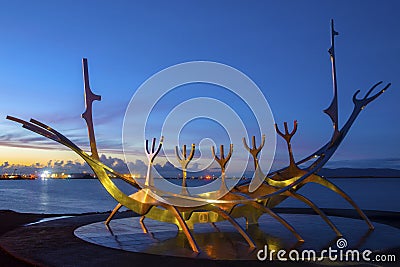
{"points": [[53, 243]]}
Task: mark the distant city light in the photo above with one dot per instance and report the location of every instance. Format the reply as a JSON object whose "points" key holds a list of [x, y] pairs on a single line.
{"points": [[45, 174]]}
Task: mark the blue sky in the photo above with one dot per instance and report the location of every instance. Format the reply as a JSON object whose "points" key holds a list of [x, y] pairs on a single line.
{"points": [[281, 45]]}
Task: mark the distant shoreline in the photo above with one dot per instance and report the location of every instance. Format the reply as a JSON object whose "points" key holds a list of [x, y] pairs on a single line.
{"points": [[361, 176], [85, 178], [329, 173]]}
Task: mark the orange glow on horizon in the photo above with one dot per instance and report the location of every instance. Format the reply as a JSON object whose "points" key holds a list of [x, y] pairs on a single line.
{"points": [[29, 156]]}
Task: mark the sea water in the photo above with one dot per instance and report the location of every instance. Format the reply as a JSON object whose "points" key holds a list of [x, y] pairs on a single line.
{"points": [[72, 196]]}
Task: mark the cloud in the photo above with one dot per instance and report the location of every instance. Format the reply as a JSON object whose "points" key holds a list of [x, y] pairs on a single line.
{"points": [[22, 139], [52, 166], [117, 164]]}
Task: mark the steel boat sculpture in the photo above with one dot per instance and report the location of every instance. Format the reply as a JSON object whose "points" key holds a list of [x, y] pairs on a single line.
{"points": [[243, 201]]}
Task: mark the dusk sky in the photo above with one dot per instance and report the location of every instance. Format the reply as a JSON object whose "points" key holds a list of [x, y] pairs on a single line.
{"points": [[281, 45]]}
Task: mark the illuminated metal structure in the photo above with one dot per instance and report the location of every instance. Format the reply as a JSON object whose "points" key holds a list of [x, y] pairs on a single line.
{"points": [[222, 161], [241, 202], [184, 161], [151, 155]]}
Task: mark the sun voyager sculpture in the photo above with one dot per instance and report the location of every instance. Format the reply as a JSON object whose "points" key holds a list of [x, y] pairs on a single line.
{"points": [[239, 202]]}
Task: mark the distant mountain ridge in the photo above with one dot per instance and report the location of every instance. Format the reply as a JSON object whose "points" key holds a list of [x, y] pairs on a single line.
{"points": [[354, 172]]}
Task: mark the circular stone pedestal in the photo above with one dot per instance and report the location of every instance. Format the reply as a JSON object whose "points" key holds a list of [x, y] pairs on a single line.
{"points": [[222, 241]]}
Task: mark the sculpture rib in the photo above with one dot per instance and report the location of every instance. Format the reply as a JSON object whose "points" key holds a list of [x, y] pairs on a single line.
{"points": [[340, 192]]}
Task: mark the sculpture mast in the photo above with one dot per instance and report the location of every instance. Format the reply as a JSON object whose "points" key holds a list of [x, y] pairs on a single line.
{"points": [[332, 110], [87, 115]]}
